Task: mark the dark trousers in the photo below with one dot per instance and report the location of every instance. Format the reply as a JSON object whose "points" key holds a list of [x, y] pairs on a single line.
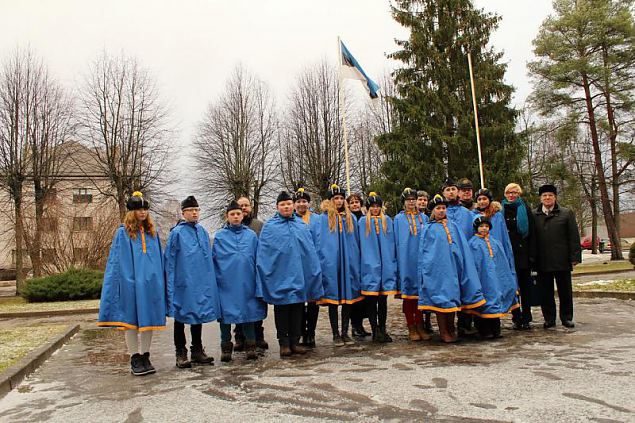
{"points": [[310, 314], [359, 311], [523, 314], [179, 335], [239, 336], [377, 307], [288, 320], [333, 319], [565, 295]]}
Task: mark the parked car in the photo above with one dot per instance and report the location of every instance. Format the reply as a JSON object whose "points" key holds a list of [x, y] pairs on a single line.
{"points": [[585, 242]]}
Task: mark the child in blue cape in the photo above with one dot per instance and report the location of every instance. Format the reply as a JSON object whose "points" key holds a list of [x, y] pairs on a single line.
{"points": [[234, 255], [192, 292], [133, 292], [498, 280], [379, 264]]}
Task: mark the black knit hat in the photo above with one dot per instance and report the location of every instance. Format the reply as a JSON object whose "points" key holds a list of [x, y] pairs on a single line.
{"points": [[283, 196], [335, 190], [449, 182], [479, 220], [547, 188], [484, 191], [137, 202], [301, 194], [189, 202], [436, 201], [464, 183], [233, 205], [373, 199], [408, 193]]}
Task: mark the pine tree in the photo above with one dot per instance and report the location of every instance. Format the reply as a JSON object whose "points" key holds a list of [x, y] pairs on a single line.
{"points": [[434, 136]]}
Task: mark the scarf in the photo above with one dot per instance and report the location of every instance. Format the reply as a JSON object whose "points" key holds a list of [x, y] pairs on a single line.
{"points": [[522, 221]]}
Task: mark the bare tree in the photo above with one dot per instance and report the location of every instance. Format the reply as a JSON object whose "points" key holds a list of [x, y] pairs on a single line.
{"points": [[312, 147], [123, 120], [235, 144]]}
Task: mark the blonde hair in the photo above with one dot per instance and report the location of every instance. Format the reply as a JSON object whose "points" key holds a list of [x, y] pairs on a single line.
{"points": [[382, 216], [328, 206], [512, 186], [132, 225]]}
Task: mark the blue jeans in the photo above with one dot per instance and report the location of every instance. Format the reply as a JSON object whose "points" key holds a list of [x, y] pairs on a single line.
{"points": [[249, 329]]}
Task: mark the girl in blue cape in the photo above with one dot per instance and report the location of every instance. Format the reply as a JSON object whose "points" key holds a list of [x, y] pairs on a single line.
{"points": [[289, 272], [234, 254], [379, 264], [497, 279], [408, 226], [192, 292], [484, 207], [133, 292], [338, 248], [449, 281]]}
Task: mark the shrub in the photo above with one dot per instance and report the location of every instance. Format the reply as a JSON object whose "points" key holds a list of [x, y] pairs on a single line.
{"points": [[74, 284], [631, 254]]}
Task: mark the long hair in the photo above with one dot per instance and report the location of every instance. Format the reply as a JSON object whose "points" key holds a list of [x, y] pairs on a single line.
{"points": [[328, 207], [132, 225], [382, 216]]}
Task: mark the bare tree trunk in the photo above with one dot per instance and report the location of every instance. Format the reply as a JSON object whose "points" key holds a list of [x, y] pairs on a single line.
{"points": [[19, 235]]}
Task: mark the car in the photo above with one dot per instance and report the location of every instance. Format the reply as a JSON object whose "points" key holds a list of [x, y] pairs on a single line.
{"points": [[585, 242]]}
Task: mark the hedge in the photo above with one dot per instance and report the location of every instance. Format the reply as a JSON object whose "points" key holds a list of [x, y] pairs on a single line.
{"points": [[74, 284]]}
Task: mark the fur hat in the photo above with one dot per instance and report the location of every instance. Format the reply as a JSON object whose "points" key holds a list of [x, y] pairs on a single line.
{"points": [[233, 205], [479, 220], [335, 190], [408, 193], [547, 188], [301, 194], [189, 202], [137, 202], [449, 182], [373, 199], [436, 201], [283, 196], [485, 192]]}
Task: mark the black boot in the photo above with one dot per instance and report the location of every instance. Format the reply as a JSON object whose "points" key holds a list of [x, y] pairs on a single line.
{"points": [[309, 340], [345, 338], [199, 357], [226, 349], [427, 324], [379, 335], [239, 338], [285, 347], [387, 337], [148, 365], [250, 349], [181, 359], [137, 365], [260, 336]]}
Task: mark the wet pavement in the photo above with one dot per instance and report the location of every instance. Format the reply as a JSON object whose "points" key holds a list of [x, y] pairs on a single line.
{"points": [[584, 374]]}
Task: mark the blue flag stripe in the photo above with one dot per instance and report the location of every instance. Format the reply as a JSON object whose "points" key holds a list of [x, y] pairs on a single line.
{"points": [[349, 60]]}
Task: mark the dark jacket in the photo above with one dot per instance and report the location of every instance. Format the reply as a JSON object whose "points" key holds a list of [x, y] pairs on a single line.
{"points": [[557, 240], [524, 248]]}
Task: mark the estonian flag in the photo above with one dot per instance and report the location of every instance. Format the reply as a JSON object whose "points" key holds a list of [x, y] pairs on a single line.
{"points": [[351, 69]]}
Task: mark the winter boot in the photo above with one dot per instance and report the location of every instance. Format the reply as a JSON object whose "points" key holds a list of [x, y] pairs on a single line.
{"points": [[148, 365], [250, 349], [137, 366], [199, 357], [413, 334], [345, 338], [296, 348], [260, 337], [387, 337], [421, 330], [226, 349], [443, 319], [427, 324], [285, 349], [181, 359]]}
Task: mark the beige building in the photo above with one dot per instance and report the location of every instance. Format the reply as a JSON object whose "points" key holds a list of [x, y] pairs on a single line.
{"points": [[79, 218]]}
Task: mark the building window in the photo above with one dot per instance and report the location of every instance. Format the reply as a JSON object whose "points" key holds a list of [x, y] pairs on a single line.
{"points": [[82, 224], [82, 196], [49, 224]]}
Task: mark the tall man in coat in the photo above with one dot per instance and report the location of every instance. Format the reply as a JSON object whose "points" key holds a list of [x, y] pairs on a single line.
{"points": [[558, 243]]}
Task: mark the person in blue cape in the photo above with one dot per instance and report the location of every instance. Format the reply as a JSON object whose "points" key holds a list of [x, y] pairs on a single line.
{"points": [[449, 280], [234, 255], [379, 264], [288, 272], [498, 281], [408, 226], [311, 311], [192, 292], [485, 207], [133, 292], [338, 248]]}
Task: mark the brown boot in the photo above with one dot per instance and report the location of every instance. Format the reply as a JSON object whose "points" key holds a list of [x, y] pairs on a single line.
{"points": [[421, 331], [452, 326], [297, 348], [444, 328], [250, 349], [285, 349], [413, 334]]}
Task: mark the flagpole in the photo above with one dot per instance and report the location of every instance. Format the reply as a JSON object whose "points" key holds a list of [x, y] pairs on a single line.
{"points": [[478, 136], [343, 114]]}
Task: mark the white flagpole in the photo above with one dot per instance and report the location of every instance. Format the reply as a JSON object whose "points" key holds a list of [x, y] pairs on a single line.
{"points": [[343, 114], [478, 136]]}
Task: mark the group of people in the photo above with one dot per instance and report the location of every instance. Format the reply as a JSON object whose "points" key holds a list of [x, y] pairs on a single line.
{"points": [[464, 261]]}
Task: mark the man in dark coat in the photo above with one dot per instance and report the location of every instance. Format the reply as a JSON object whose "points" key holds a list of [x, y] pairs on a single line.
{"points": [[558, 248]]}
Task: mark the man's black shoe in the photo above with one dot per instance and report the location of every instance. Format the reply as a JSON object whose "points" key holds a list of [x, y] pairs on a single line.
{"points": [[548, 325], [568, 324], [137, 365]]}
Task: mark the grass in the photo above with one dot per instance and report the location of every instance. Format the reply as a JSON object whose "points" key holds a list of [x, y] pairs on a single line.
{"points": [[19, 304], [608, 266], [16, 342], [622, 285]]}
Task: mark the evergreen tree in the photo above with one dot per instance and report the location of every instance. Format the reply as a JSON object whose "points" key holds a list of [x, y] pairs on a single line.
{"points": [[433, 136]]}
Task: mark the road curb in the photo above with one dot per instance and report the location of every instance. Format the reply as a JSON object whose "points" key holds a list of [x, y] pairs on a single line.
{"points": [[600, 272], [621, 295], [13, 375], [49, 313]]}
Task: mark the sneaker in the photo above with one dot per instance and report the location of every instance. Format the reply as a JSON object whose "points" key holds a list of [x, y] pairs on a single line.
{"points": [[146, 361], [199, 357], [181, 359], [137, 365]]}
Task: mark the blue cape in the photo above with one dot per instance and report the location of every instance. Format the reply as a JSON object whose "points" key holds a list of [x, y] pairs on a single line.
{"points": [[463, 219], [449, 281], [407, 236], [192, 292], [234, 253], [133, 293], [499, 233], [287, 263], [340, 260], [497, 280], [379, 263], [312, 219]]}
